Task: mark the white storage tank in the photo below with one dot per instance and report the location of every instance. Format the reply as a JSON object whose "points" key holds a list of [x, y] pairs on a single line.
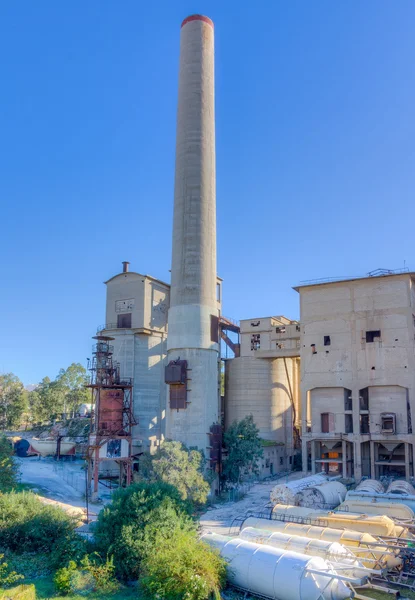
{"points": [[400, 512], [358, 542], [331, 551], [277, 574], [285, 493], [401, 487], [370, 485], [327, 495]]}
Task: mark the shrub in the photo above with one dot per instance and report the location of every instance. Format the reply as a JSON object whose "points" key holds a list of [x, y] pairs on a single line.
{"points": [[181, 567], [244, 449], [93, 574], [8, 466], [27, 525], [7, 576], [173, 463], [120, 528]]}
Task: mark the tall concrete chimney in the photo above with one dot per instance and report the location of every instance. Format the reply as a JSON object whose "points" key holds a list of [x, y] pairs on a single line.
{"points": [[192, 319]]}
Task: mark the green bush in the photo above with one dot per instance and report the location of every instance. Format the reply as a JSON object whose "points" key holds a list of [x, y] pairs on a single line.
{"points": [[120, 528], [173, 463], [21, 592], [7, 576], [181, 567], [92, 574], [28, 525], [8, 466]]}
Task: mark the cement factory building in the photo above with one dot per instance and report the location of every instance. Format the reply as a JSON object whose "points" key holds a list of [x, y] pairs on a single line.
{"points": [[336, 387]]}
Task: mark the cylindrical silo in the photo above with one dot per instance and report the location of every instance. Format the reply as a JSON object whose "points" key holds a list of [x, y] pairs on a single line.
{"points": [[358, 542], [375, 524], [193, 403], [370, 485], [326, 495], [400, 512], [400, 487], [286, 493], [275, 573], [332, 551], [259, 386]]}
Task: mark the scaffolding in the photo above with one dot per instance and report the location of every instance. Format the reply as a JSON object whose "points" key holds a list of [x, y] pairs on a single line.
{"points": [[112, 419]]}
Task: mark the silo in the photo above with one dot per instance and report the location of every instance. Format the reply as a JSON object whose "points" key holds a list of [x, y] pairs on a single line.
{"points": [[325, 495], [259, 386]]}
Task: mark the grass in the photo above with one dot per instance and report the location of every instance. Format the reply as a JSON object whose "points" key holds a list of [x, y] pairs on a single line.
{"points": [[45, 590]]}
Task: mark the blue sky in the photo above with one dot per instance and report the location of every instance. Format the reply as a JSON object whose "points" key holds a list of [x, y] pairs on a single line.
{"points": [[315, 155]]}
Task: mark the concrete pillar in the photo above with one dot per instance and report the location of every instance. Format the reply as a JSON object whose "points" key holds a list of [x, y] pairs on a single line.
{"points": [[313, 456], [344, 458], [304, 452], [357, 461], [407, 468], [372, 460]]}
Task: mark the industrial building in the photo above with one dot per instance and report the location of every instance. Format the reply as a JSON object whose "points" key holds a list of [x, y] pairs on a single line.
{"points": [[358, 374], [337, 385]]}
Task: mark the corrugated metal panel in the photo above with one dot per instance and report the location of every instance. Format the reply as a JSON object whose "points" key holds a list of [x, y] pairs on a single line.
{"points": [[214, 328], [178, 395]]}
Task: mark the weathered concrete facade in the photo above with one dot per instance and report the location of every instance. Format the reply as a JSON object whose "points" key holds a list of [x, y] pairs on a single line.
{"points": [[194, 303], [358, 375], [136, 317], [264, 381]]}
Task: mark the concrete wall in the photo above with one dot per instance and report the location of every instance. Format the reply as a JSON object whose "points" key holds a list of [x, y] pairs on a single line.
{"points": [[345, 311]]}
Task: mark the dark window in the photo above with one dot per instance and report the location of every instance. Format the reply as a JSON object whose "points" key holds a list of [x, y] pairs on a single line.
{"points": [[327, 341], [178, 395], [348, 424], [280, 330], [255, 323], [255, 341], [364, 399], [124, 321], [313, 349], [372, 335], [348, 401], [291, 460], [388, 423], [214, 328], [364, 423], [327, 422], [218, 292], [297, 328]]}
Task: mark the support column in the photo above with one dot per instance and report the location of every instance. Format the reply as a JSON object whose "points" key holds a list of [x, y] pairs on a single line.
{"points": [[357, 461], [407, 471], [372, 460], [304, 452], [344, 458], [313, 457]]}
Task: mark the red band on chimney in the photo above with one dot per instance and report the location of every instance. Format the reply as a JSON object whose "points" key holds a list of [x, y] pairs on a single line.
{"points": [[198, 18]]}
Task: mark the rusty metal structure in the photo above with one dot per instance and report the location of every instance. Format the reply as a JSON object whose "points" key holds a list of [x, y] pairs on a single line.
{"points": [[110, 437]]}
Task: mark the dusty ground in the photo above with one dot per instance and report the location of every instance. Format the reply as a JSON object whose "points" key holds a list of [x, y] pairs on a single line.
{"points": [[220, 517]]}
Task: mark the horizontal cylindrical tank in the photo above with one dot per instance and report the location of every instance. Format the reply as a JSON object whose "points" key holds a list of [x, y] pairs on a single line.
{"points": [[358, 542], [327, 495], [376, 507], [285, 493], [375, 524], [401, 487], [392, 498], [370, 485], [275, 573], [332, 551]]}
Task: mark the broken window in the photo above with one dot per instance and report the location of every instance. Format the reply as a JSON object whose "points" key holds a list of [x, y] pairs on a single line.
{"points": [[214, 328], [348, 404], [388, 422], [327, 422], [280, 345], [124, 321], [327, 341], [313, 349], [255, 341], [297, 328], [280, 330], [372, 336], [255, 323], [348, 423], [364, 399], [364, 423]]}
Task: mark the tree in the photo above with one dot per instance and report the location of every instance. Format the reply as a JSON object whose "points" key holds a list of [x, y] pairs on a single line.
{"points": [[12, 401], [244, 449], [120, 528], [71, 384], [173, 463], [179, 566], [8, 466]]}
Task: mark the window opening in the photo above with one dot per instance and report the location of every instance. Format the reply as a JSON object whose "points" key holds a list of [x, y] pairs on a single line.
{"points": [[124, 321], [372, 336], [255, 341], [327, 422], [327, 341], [364, 423]]}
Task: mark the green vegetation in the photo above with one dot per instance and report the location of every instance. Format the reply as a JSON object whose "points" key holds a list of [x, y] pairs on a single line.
{"points": [[8, 467], [27, 525], [12, 401], [120, 529], [7, 576], [90, 574], [20, 592], [46, 590], [244, 449], [178, 566], [173, 463]]}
